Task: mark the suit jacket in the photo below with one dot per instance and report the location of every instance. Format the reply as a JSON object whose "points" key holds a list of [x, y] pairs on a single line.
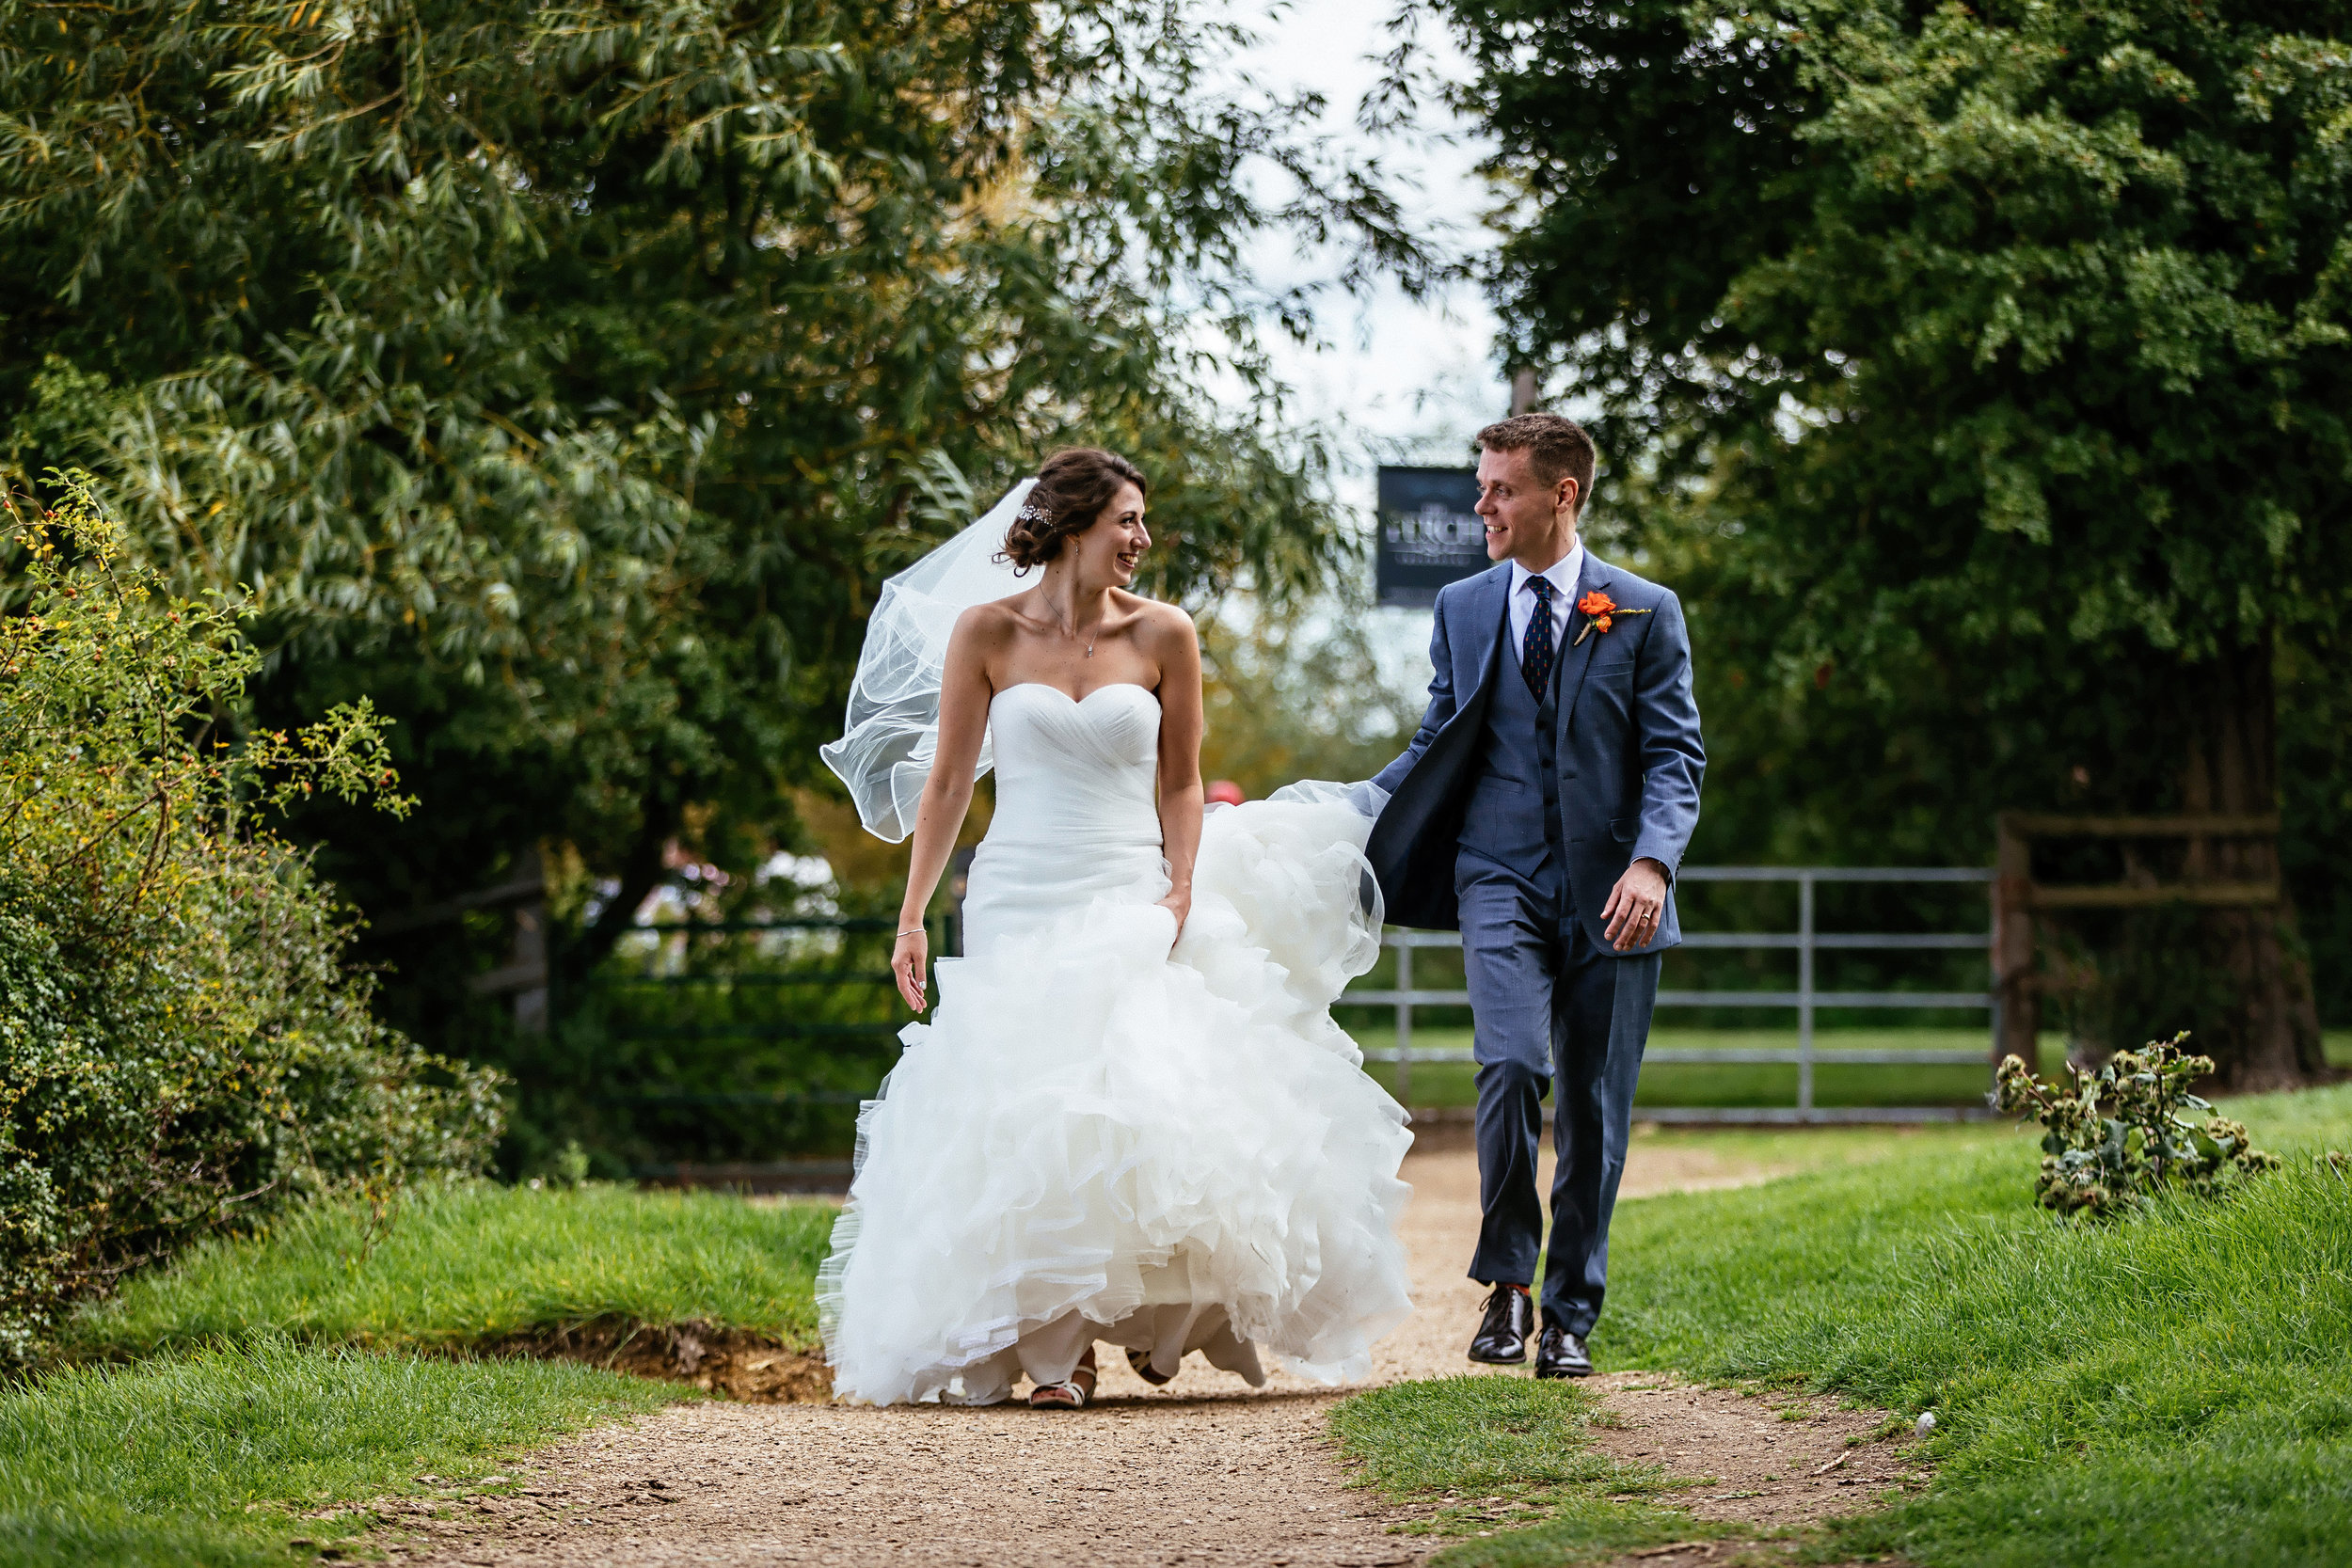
{"points": [[1628, 754]]}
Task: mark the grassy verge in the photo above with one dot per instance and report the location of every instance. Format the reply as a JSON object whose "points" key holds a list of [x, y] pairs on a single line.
{"points": [[1502, 1462], [261, 1392], [478, 1263], [214, 1459], [2161, 1391], [1788, 1150], [2166, 1392]]}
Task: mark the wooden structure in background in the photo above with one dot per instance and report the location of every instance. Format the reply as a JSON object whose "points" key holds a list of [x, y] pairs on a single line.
{"points": [[2017, 897], [524, 976]]}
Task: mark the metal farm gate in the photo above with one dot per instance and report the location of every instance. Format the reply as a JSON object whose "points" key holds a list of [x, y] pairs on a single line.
{"points": [[1805, 942]]}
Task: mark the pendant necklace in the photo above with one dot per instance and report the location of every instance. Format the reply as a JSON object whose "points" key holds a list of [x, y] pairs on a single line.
{"points": [[1073, 631]]}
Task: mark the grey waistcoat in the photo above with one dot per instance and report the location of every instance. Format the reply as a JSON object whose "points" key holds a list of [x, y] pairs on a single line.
{"points": [[1514, 809]]}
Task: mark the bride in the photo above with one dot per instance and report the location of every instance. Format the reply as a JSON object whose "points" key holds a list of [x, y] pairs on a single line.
{"points": [[1132, 1118]]}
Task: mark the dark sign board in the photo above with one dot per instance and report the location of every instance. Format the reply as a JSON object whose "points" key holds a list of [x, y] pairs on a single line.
{"points": [[1430, 534]]}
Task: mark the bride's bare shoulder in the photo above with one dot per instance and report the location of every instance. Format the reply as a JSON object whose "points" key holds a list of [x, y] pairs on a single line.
{"points": [[989, 623], [1157, 619]]}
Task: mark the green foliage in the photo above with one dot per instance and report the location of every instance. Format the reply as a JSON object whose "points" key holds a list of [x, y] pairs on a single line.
{"points": [[1296, 692], [1509, 1457], [216, 1458], [2026, 326], [715, 1046], [2116, 1136], [181, 1048], [476, 1263], [565, 376], [1978, 374], [2162, 1392]]}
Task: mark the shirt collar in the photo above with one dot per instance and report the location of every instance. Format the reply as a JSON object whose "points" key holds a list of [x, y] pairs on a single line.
{"points": [[1563, 572]]}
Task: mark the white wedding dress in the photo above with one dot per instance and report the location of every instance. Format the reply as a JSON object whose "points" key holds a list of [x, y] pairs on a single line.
{"points": [[1099, 1138]]}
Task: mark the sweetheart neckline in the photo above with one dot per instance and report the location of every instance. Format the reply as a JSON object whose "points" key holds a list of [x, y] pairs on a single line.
{"points": [[1081, 702]]}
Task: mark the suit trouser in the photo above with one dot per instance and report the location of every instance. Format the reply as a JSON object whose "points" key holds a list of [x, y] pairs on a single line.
{"points": [[1550, 1009]]}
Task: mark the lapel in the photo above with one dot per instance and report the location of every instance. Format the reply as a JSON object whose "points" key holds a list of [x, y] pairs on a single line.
{"points": [[1487, 618], [1578, 657]]}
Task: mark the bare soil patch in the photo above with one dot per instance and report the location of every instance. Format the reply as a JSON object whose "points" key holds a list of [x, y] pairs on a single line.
{"points": [[1768, 1460], [1203, 1471], [750, 1368]]}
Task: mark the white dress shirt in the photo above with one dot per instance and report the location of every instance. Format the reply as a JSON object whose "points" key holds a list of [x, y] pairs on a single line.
{"points": [[1562, 574]]}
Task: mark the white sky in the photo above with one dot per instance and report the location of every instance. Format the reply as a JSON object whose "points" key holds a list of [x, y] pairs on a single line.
{"points": [[1397, 379], [1392, 369]]}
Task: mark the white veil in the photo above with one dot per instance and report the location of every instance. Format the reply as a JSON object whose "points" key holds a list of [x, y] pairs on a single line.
{"points": [[892, 736]]}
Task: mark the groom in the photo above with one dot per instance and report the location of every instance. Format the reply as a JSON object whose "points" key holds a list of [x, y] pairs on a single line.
{"points": [[1542, 809]]}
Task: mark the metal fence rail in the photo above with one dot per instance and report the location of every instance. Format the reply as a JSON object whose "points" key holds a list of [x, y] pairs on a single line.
{"points": [[1805, 941]]}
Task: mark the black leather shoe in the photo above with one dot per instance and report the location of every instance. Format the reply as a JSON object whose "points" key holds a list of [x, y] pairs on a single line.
{"points": [[1502, 1339], [1561, 1353]]}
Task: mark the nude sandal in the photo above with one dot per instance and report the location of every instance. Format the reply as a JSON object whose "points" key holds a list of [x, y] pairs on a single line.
{"points": [[1072, 1393]]}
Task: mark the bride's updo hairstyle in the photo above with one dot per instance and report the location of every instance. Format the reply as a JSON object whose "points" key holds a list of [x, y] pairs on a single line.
{"points": [[1071, 491]]}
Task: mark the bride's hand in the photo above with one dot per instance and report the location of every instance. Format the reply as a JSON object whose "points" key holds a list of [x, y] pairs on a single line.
{"points": [[909, 959], [1178, 903]]}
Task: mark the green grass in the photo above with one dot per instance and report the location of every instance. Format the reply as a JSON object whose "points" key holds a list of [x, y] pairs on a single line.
{"points": [[1507, 1464], [1747, 1084], [2165, 1392], [1786, 1151], [468, 1264], [1742, 1084], [2157, 1392], [210, 1459], [269, 1382]]}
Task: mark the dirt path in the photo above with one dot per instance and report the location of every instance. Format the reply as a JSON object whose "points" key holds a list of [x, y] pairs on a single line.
{"points": [[1203, 1471]]}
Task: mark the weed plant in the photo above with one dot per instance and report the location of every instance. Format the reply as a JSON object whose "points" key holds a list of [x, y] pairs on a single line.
{"points": [[477, 1264], [220, 1459], [2115, 1134]]}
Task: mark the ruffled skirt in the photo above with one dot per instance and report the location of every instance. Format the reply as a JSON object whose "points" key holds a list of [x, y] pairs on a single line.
{"points": [[1100, 1139]]}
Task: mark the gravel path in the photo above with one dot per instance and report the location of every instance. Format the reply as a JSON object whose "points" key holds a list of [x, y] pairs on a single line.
{"points": [[1203, 1471]]}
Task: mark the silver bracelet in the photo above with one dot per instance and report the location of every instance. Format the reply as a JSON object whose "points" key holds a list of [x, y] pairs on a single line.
{"points": [[913, 929]]}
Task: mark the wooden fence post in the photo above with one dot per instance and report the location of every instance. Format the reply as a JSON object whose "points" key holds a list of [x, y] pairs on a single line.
{"points": [[2018, 1032]]}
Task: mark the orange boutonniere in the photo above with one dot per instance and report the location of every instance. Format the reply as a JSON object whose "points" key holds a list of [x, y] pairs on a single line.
{"points": [[1600, 612]]}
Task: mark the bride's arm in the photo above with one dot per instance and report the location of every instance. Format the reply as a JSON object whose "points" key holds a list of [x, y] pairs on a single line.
{"points": [[1180, 724], [963, 694]]}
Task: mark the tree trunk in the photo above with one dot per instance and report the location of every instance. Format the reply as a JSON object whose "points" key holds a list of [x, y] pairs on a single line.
{"points": [[641, 870], [2267, 1036]]}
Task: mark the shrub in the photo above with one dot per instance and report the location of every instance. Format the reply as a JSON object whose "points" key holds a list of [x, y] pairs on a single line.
{"points": [[2117, 1136], [181, 1046]]}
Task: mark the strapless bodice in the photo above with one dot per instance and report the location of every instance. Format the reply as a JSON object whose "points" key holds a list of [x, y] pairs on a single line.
{"points": [[1078, 815], [1076, 772]]}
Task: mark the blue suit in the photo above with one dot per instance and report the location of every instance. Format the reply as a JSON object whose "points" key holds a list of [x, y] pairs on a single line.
{"points": [[1511, 815]]}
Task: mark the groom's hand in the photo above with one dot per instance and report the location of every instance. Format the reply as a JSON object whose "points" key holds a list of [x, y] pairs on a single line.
{"points": [[1635, 903]]}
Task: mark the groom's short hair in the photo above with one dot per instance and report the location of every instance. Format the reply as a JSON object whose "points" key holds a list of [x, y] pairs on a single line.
{"points": [[1556, 449]]}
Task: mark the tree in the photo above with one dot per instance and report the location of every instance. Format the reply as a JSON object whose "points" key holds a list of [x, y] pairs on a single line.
{"points": [[1993, 365], [564, 376]]}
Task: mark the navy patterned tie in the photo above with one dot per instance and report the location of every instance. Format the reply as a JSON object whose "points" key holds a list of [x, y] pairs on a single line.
{"points": [[1535, 659]]}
